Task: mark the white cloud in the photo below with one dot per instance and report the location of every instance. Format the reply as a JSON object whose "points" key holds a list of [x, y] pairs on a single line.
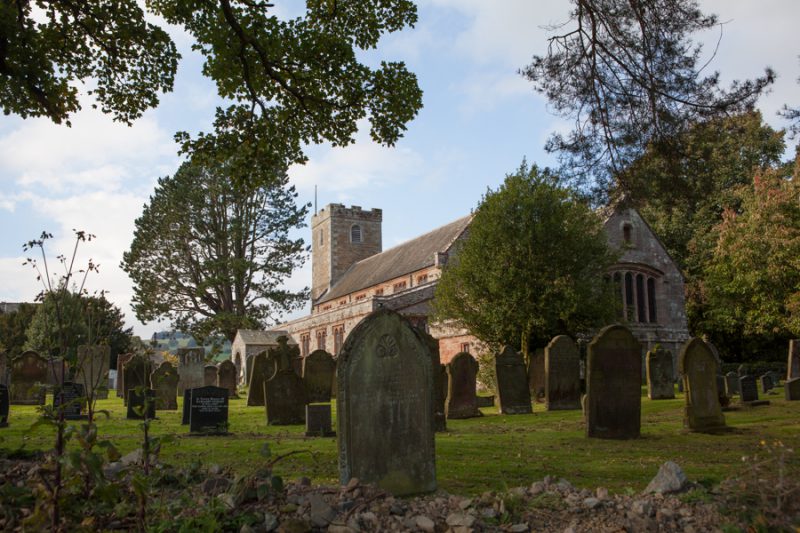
{"points": [[485, 90]]}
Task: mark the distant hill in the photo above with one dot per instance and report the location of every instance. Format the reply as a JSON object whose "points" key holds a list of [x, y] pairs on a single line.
{"points": [[171, 341]]}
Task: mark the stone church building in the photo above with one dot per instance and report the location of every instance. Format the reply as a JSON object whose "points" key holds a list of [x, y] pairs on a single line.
{"points": [[352, 276]]}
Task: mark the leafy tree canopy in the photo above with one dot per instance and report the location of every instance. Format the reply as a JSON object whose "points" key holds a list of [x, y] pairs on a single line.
{"points": [[13, 327], [531, 266], [628, 75], [212, 249], [288, 82]]}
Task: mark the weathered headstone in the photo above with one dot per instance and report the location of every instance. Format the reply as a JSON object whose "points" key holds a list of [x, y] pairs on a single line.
{"points": [[92, 370], [261, 370], [613, 385], [4, 369], [791, 389], [741, 370], [536, 378], [512, 383], [318, 420], [485, 401], [284, 394], [226, 377], [732, 384], [766, 383], [73, 398], [562, 374], [776, 378], [439, 416], [462, 399], [748, 389], [164, 381], [190, 368], [319, 371], [698, 366], [57, 372], [141, 403], [122, 359], [28, 379], [187, 404], [660, 374], [384, 406], [208, 411], [210, 376], [793, 363], [5, 403], [135, 373]]}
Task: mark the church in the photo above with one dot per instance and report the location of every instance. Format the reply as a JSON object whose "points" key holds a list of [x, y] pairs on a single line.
{"points": [[352, 276]]}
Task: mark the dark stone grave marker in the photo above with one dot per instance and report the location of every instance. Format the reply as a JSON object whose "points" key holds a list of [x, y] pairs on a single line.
{"points": [[261, 370], [562, 374], [74, 400], [462, 399], [439, 399], [793, 363], [319, 371], [748, 389], [512, 383], [318, 420], [791, 389], [698, 366], [384, 406], [536, 378], [284, 395], [136, 373], [5, 402], [732, 384], [660, 374], [208, 412], [210, 376], [226, 377], [136, 400], [28, 379], [766, 383], [164, 381], [187, 403], [4, 369], [613, 385]]}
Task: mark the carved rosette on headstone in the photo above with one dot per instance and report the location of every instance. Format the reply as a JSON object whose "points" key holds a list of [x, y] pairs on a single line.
{"points": [[210, 376], [92, 370], [793, 363], [164, 381], [261, 370], [28, 377], [536, 378], [613, 385], [698, 366], [660, 374], [191, 362], [384, 406], [122, 359], [284, 394], [136, 373], [562, 368], [462, 399], [512, 383], [319, 371], [226, 377]]}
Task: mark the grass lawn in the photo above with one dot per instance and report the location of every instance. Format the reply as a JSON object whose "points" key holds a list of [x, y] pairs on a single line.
{"points": [[490, 453]]}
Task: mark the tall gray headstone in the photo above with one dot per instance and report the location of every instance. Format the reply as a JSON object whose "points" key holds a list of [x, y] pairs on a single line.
{"points": [[261, 370], [793, 363], [562, 368], [284, 395], [512, 383], [748, 389], [164, 381], [698, 366], [791, 389], [613, 385], [28, 377], [136, 373], [226, 377], [210, 376], [319, 371], [660, 374], [384, 406], [732, 384], [190, 368], [536, 378], [92, 370], [462, 399]]}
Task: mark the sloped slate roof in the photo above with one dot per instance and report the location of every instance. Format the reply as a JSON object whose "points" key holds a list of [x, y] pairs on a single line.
{"points": [[405, 258], [256, 337]]}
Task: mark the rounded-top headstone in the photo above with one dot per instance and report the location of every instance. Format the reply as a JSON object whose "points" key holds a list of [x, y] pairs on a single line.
{"points": [[462, 399], [698, 366], [660, 374], [512, 383], [562, 370], [385, 406], [319, 371]]}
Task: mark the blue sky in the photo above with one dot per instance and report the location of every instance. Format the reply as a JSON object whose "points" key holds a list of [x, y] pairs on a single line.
{"points": [[480, 118]]}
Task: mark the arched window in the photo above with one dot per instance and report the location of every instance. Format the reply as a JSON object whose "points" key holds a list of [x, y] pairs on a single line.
{"points": [[321, 238], [355, 233], [618, 291], [629, 306], [641, 312], [651, 299]]}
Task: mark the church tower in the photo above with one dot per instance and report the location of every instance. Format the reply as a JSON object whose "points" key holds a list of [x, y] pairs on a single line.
{"points": [[340, 237]]}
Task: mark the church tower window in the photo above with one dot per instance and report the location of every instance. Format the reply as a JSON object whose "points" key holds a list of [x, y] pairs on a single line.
{"points": [[355, 233]]}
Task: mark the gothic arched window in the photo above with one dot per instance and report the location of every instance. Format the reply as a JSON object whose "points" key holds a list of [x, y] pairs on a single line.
{"points": [[355, 233]]}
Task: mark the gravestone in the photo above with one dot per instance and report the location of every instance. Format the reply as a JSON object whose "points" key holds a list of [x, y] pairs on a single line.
{"points": [[462, 399], [135, 373], [226, 377], [319, 371], [187, 403], [92, 370], [613, 385], [485, 401], [698, 366], [4, 369], [680, 383], [748, 389], [512, 383], [318, 420], [793, 363], [190, 368], [5, 402], [164, 381], [121, 360], [536, 378], [72, 397], [776, 378], [136, 402], [660, 374], [562, 378], [28, 377], [284, 394], [766, 383], [208, 411], [261, 370], [741, 370], [210, 376], [732, 384], [57, 372], [791, 389], [384, 406], [439, 416]]}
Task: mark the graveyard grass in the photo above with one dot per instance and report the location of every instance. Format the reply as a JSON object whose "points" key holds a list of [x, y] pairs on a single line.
{"points": [[493, 452]]}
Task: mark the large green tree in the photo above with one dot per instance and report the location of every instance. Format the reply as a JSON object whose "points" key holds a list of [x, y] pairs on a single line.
{"points": [[285, 82], [13, 327], [531, 266], [212, 249]]}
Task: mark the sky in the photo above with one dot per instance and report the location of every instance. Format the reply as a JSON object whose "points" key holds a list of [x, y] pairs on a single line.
{"points": [[480, 119]]}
